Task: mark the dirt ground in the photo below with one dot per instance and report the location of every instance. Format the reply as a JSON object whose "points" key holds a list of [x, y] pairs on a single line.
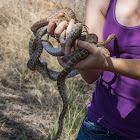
{"points": [[29, 104]]}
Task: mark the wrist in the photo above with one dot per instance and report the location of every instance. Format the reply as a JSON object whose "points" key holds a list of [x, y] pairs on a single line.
{"points": [[103, 61], [109, 64]]}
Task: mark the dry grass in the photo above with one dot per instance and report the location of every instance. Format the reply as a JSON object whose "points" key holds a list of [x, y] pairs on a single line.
{"points": [[29, 105]]}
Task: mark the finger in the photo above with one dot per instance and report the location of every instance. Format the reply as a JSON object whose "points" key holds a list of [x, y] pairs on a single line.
{"points": [[63, 64], [63, 47], [76, 46], [59, 29], [62, 37], [71, 24], [68, 46], [51, 26], [61, 15], [90, 47]]}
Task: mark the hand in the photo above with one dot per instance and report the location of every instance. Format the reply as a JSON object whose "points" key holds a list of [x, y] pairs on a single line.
{"points": [[57, 30], [95, 60]]}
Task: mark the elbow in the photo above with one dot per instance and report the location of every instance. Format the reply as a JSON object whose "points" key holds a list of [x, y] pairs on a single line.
{"points": [[91, 81], [91, 76]]}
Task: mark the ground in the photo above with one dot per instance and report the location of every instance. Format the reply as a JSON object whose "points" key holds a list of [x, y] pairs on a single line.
{"points": [[30, 104]]}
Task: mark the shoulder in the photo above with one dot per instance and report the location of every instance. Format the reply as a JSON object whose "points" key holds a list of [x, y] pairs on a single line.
{"points": [[100, 5]]}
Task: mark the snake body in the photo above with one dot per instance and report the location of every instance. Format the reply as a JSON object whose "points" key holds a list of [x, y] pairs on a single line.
{"points": [[39, 40]]}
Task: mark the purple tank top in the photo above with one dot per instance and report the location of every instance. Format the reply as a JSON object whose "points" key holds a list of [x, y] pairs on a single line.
{"points": [[116, 100]]}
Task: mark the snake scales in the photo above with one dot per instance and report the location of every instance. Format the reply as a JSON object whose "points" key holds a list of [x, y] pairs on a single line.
{"points": [[39, 40]]}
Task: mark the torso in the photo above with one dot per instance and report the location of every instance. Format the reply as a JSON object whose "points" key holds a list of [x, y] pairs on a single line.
{"points": [[116, 99], [127, 11]]}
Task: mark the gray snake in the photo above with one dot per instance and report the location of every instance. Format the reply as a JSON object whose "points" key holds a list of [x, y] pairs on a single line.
{"points": [[39, 40]]}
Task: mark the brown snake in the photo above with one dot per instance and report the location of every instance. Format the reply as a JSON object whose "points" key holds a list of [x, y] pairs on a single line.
{"points": [[39, 40]]}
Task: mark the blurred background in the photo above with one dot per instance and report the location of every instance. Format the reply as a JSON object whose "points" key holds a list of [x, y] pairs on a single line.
{"points": [[29, 104]]}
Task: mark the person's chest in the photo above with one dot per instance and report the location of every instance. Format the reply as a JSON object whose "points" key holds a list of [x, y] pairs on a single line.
{"points": [[128, 12]]}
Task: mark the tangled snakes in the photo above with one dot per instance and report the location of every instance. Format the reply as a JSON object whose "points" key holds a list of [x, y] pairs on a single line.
{"points": [[40, 40]]}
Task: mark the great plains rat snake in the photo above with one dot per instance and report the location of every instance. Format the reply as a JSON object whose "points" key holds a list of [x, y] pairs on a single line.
{"points": [[39, 40]]}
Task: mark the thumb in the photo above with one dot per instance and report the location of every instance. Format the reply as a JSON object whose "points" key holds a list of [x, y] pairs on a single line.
{"points": [[88, 46], [63, 64]]}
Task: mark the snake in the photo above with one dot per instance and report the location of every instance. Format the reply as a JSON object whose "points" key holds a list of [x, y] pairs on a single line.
{"points": [[40, 40]]}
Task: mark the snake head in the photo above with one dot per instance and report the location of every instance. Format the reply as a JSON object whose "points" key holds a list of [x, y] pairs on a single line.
{"points": [[92, 38], [44, 63]]}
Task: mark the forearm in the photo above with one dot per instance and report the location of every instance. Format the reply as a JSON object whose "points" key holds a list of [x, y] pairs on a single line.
{"points": [[126, 67], [95, 25]]}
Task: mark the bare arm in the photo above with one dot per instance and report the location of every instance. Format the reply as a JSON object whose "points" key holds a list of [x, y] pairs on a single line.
{"points": [[96, 62], [126, 67], [95, 20]]}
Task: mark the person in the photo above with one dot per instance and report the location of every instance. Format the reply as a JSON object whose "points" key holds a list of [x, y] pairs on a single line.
{"points": [[114, 111]]}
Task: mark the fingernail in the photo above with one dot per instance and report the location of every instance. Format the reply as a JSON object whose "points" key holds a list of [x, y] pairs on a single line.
{"points": [[53, 20], [72, 20], [66, 22], [61, 14]]}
